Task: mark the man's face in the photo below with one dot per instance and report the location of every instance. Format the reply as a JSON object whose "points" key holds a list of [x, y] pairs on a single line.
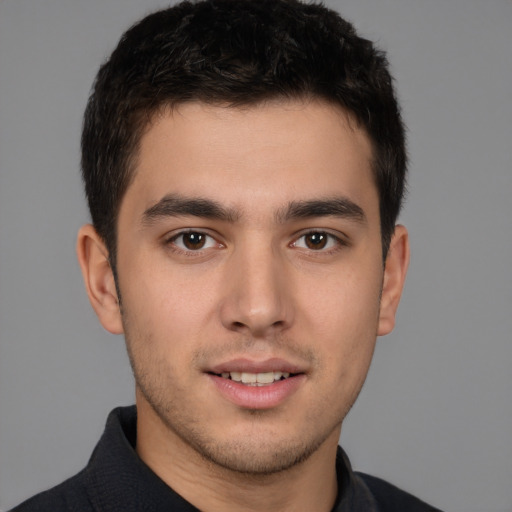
{"points": [[249, 248]]}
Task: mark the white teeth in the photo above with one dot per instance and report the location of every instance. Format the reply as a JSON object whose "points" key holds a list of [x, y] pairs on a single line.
{"points": [[265, 378], [255, 379], [249, 378]]}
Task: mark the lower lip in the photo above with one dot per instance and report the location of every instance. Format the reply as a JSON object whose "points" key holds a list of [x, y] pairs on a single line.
{"points": [[257, 397]]}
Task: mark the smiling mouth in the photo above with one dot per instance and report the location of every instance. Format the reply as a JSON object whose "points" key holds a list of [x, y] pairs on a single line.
{"points": [[255, 379]]}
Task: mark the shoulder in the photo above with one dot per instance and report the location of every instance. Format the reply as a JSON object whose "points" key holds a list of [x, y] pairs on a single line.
{"points": [[69, 496], [390, 498]]}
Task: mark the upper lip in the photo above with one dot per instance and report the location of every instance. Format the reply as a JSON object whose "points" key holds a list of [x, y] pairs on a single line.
{"points": [[251, 366]]}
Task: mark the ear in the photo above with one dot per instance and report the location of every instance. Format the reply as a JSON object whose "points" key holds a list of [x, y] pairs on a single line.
{"points": [[395, 270], [99, 278]]}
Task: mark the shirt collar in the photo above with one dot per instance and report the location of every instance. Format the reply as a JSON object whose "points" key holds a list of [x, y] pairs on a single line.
{"points": [[117, 479]]}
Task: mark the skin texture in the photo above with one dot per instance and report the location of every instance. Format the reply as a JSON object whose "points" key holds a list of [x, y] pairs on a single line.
{"points": [[262, 282]]}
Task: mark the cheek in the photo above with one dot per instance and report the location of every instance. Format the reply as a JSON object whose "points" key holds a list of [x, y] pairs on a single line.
{"points": [[342, 320], [344, 303], [165, 309]]}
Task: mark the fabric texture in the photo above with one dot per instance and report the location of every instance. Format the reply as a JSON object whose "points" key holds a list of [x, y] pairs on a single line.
{"points": [[116, 479]]}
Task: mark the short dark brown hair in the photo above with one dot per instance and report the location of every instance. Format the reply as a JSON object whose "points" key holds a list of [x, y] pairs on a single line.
{"points": [[236, 52]]}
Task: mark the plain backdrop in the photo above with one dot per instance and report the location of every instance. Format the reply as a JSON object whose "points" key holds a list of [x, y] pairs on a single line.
{"points": [[435, 415]]}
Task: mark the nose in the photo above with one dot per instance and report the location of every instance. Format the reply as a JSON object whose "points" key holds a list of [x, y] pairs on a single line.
{"points": [[259, 293]]}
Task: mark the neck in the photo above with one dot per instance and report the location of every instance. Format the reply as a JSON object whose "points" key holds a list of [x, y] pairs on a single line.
{"points": [[310, 485]]}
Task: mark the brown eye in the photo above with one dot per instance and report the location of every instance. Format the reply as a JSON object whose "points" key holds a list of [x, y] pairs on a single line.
{"points": [[316, 241], [193, 241]]}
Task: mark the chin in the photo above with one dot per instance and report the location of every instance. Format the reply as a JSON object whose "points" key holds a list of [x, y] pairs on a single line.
{"points": [[257, 450], [257, 458]]}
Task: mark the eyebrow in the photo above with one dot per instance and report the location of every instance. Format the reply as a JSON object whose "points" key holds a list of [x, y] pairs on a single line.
{"points": [[330, 207], [174, 205]]}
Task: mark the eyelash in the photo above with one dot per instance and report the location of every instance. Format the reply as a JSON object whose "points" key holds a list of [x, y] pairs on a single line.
{"points": [[336, 242], [171, 242]]}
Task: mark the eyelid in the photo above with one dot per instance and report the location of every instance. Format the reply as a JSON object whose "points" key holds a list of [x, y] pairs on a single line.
{"points": [[169, 240], [339, 238]]}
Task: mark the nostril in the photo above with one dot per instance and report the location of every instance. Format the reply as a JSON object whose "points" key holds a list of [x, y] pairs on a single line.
{"points": [[279, 324]]}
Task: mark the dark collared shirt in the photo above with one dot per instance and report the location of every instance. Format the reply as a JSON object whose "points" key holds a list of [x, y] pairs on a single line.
{"points": [[116, 479]]}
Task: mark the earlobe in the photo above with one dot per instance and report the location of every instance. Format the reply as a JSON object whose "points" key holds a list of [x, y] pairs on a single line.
{"points": [[98, 278], [395, 271]]}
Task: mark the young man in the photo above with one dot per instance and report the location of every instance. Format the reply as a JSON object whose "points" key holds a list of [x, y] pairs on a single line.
{"points": [[244, 164]]}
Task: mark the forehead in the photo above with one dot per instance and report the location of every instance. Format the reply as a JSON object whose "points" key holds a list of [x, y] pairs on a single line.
{"points": [[270, 154]]}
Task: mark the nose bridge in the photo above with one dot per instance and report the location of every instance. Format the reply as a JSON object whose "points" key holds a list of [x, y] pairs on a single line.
{"points": [[258, 298]]}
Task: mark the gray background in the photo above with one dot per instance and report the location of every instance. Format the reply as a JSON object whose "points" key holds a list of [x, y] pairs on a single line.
{"points": [[435, 416]]}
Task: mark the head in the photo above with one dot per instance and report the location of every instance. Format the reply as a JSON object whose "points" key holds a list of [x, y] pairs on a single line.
{"points": [[237, 53], [244, 164]]}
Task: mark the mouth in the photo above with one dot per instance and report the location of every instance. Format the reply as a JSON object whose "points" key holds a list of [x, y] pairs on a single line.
{"points": [[256, 379], [257, 384]]}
